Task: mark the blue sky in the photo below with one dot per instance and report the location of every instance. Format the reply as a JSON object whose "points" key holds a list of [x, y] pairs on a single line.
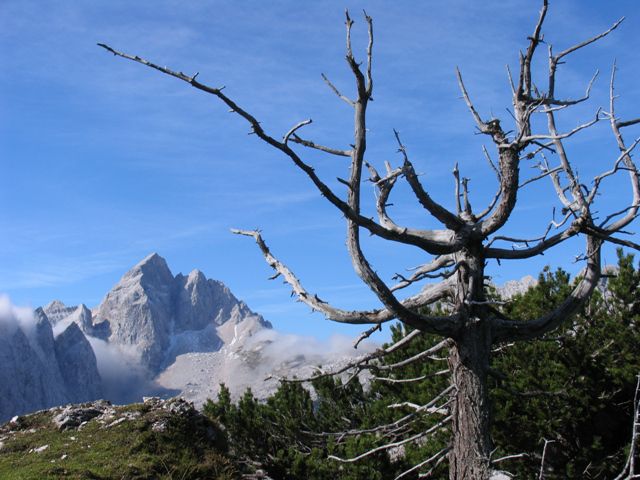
{"points": [[105, 161]]}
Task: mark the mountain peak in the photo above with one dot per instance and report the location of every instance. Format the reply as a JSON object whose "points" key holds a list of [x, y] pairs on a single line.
{"points": [[55, 305], [152, 266], [196, 275], [153, 259]]}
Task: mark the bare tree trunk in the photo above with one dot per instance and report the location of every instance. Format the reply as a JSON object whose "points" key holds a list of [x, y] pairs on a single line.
{"points": [[469, 362]]}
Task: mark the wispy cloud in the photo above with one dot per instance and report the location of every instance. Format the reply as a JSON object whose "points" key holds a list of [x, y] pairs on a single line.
{"points": [[57, 272]]}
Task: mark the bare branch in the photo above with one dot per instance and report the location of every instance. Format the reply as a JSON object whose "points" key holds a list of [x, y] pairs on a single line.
{"points": [[615, 214], [561, 136], [491, 164], [385, 185], [307, 143], [441, 454], [363, 362], [510, 77], [465, 196], [430, 294], [424, 408], [555, 180], [363, 91], [366, 334], [616, 168], [544, 454], [576, 189], [297, 126], [392, 427], [561, 104], [388, 446], [482, 125], [629, 470], [527, 241], [538, 249], [506, 330], [360, 264], [447, 218], [410, 380], [634, 176], [628, 123], [554, 61], [524, 85], [369, 21], [446, 343], [336, 91], [589, 41], [544, 174], [426, 271], [605, 235], [435, 242], [456, 176], [509, 181], [510, 457], [493, 202]]}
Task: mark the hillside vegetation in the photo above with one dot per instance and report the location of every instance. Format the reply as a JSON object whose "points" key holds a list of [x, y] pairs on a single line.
{"points": [[152, 440], [574, 388]]}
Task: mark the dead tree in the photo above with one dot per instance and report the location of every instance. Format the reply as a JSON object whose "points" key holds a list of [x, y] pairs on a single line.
{"points": [[459, 251]]}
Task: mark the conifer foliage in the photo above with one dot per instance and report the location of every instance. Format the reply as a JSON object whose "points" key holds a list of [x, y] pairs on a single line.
{"points": [[573, 388]]}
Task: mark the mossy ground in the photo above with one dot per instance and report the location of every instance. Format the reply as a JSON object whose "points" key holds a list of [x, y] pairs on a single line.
{"points": [[190, 447]]}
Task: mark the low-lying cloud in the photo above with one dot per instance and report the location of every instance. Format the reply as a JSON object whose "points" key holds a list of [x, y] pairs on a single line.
{"points": [[281, 347], [13, 317], [124, 379]]}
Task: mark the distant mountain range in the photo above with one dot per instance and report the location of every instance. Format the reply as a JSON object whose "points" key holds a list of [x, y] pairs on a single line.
{"points": [[155, 334]]}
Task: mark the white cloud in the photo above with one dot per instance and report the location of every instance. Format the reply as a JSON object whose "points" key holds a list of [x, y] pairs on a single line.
{"points": [[13, 317], [124, 379]]}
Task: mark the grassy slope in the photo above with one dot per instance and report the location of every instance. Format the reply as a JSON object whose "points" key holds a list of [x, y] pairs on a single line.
{"points": [[190, 447]]}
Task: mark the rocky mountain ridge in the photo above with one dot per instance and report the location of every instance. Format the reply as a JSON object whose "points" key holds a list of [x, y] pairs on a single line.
{"points": [[163, 316], [62, 354], [39, 369]]}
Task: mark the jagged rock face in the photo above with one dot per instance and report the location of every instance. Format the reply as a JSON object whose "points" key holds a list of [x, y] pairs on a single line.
{"points": [[43, 344], [38, 370], [512, 288], [78, 365], [49, 361], [82, 317], [139, 310], [57, 311], [60, 316], [26, 382], [163, 316]]}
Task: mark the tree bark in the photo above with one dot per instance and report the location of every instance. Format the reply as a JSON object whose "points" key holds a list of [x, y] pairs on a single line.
{"points": [[469, 364]]}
